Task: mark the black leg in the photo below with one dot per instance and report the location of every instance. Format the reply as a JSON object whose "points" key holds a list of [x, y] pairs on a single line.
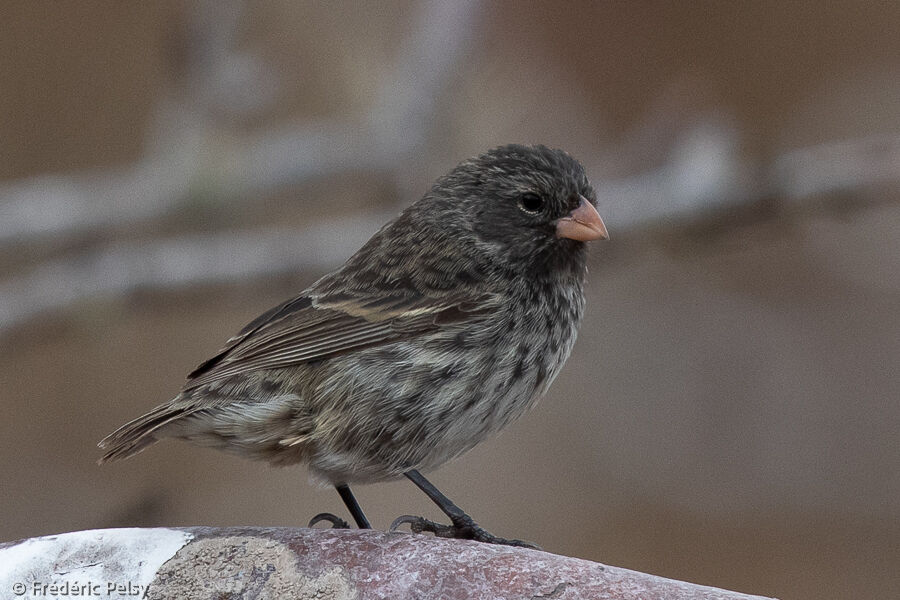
{"points": [[463, 527], [443, 502], [353, 506], [338, 523]]}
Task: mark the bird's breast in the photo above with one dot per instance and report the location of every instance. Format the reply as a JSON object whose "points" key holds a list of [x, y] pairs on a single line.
{"points": [[419, 402]]}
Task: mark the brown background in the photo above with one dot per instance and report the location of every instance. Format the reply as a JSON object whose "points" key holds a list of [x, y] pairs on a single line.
{"points": [[730, 414]]}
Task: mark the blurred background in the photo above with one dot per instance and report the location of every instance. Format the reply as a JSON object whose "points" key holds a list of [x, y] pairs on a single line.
{"points": [[730, 415]]}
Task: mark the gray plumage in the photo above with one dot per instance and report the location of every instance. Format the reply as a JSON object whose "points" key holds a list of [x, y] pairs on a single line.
{"points": [[447, 325]]}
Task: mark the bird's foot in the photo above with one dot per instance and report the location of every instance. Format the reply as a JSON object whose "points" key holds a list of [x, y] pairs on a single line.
{"points": [[336, 521], [463, 528]]}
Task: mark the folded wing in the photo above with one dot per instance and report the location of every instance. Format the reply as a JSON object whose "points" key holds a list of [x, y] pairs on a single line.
{"points": [[312, 328]]}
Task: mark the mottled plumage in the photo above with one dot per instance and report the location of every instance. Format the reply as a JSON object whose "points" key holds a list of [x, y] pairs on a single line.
{"points": [[447, 325]]}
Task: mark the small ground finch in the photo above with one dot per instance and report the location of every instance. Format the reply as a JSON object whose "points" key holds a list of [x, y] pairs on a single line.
{"points": [[448, 324]]}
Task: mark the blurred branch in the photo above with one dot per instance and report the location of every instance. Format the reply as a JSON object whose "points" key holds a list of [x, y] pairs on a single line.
{"points": [[191, 149], [122, 267], [701, 169], [837, 167], [253, 562], [53, 204], [704, 171], [704, 174]]}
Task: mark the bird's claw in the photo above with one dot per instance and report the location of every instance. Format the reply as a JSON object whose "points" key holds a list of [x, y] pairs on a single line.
{"points": [[420, 524], [336, 521], [463, 528]]}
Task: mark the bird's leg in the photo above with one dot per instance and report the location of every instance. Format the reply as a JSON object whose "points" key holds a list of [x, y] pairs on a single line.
{"points": [[463, 526], [352, 505]]}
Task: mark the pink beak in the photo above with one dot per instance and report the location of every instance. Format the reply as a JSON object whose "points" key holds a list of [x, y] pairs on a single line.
{"points": [[583, 224]]}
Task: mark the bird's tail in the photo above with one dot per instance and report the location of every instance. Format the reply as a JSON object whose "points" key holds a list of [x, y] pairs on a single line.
{"points": [[134, 436]]}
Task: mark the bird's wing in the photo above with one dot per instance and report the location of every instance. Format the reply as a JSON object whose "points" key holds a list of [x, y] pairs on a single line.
{"points": [[315, 327]]}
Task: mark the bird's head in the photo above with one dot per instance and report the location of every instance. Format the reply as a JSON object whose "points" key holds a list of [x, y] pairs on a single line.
{"points": [[532, 203]]}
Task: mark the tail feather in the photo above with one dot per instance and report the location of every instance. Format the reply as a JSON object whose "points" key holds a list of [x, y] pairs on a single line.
{"points": [[134, 436]]}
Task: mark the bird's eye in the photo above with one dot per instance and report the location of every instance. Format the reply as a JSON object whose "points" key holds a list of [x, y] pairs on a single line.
{"points": [[531, 203]]}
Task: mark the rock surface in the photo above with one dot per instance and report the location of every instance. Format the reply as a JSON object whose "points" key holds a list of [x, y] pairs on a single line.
{"points": [[257, 563]]}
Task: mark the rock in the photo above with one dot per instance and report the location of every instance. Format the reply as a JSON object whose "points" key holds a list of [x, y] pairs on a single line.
{"points": [[324, 564]]}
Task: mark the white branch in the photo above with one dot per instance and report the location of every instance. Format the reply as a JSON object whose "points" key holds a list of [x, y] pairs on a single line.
{"points": [[837, 166], [121, 267], [187, 148], [189, 152]]}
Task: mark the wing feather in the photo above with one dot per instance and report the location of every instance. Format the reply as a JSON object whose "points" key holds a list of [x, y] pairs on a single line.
{"points": [[311, 328]]}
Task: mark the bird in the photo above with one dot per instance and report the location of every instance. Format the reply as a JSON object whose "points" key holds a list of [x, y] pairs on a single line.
{"points": [[447, 325]]}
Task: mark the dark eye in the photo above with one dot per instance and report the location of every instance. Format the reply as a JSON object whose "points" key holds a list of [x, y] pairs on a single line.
{"points": [[531, 203]]}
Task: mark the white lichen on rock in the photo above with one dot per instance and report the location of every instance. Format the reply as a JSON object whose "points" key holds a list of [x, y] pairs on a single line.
{"points": [[245, 567], [88, 563]]}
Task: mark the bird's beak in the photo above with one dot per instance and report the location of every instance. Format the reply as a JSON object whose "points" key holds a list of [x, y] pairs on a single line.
{"points": [[583, 224]]}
